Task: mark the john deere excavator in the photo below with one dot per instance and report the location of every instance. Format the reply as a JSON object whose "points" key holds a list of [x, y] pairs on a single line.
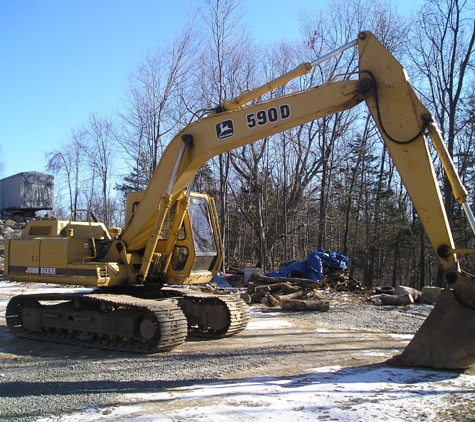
{"points": [[172, 239]]}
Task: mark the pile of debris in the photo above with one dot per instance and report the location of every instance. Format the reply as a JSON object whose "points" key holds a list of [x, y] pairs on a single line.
{"points": [[340, 281], [298, 294]]}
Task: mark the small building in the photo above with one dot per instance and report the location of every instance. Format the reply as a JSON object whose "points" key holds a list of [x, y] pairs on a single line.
{"points": [[24, 194]]}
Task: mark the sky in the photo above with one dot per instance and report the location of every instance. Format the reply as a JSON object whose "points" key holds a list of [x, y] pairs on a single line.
{"points": [[61, 60]]}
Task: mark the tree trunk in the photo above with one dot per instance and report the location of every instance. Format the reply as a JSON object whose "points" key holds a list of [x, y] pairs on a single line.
{"points": [[397, 300]]}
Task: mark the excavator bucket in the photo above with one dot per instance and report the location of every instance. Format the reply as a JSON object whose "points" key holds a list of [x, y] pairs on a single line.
{"points": [[446, 339]]}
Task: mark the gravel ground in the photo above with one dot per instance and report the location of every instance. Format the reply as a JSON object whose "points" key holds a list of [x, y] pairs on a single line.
{"points": [[48, 380], [36, 382], [42, 386], [352, 311]]}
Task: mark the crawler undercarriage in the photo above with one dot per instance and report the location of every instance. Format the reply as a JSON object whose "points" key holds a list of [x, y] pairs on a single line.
{"points": [[123, 322]]}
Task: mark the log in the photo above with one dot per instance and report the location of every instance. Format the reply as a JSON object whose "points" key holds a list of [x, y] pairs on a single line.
{"points": [[265, 288], [375, 298], [401, 300], [285, 287], [305, 305], [403, 290], [295, 295], [256, 297], [211, 289], [251, 287], [311, 294], [247, 298], [275, 302]]}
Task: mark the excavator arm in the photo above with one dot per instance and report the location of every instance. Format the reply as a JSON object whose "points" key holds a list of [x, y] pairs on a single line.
{"points": [[446, 338], [401, 118]]}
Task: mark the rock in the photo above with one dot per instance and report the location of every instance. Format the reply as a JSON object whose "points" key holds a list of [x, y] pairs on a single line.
{"points": [[6, 230], [430, 294], [403, 290]]}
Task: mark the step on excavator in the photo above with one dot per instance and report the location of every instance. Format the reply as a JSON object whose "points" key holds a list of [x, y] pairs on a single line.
{"points": [[138, 299]]}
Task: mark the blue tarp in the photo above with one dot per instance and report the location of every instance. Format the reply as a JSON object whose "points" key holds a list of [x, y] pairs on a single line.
{"points": [[220, 280], [312, 267]]}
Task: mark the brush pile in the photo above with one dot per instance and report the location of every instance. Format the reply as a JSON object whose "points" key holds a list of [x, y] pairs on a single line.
{"points": [[298, 294]]}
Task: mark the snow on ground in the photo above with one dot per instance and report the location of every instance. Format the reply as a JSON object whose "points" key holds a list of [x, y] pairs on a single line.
{"points": [[268, 324], [367, 393], [12, 288], [364, 393]]}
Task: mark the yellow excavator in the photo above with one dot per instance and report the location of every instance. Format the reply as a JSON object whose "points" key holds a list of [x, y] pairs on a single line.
{"points": [[171, 238]]}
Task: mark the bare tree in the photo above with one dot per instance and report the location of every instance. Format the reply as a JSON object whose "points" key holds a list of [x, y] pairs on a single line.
{"points": [[67, 162], [223, 66], [101, 158], [156, 104], [442, 49], [282, 175]]}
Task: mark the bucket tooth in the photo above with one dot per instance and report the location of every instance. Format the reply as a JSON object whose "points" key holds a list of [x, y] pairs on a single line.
{"points": [[445, 340]]}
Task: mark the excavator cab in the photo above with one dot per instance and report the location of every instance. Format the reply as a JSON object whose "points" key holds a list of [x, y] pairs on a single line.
{"points": [[196, 252]]}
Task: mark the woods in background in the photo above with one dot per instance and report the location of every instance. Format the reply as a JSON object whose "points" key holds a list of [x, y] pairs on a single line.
{"points": [[326, 184]]}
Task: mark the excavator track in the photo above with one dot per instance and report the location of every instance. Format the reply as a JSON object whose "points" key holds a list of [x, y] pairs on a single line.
{"points": [[210, 315], [112, 322]]}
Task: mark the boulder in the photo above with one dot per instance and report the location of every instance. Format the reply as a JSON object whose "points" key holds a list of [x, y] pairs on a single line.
{"points": [[6, 231], [403, 290], [430, 294]]}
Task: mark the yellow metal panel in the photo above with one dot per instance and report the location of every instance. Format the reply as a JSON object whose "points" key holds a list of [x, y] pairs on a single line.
{"points": [[42, 228], [54, 253], [23, 256], [400, 117]]}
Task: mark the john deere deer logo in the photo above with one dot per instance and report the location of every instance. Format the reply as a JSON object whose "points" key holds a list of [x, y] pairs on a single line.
{"points": [[225, 129]]}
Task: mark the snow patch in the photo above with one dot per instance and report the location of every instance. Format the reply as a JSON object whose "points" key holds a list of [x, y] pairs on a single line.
{"points": [[268, 324], [331, 393], [405, 338]]}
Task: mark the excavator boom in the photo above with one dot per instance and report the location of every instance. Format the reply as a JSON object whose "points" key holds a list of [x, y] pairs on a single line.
{"points": [[383, 83], [403, 121], [223, 132]]}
